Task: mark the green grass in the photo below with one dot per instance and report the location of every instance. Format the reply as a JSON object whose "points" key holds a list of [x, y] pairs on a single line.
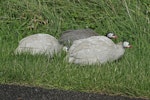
{"points": [[129, 19]]}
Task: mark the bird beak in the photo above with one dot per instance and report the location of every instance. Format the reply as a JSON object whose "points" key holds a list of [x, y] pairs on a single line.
{"points": [[115, 37], [130, 46]]}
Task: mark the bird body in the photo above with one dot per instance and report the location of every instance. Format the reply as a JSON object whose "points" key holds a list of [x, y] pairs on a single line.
{"points": [[69, 36], [39, 44], [95, 49]]}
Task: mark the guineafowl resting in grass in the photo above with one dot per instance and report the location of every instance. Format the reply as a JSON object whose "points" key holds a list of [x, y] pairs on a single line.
{"points": [[96, 49], [69, 36], [39, 44]]}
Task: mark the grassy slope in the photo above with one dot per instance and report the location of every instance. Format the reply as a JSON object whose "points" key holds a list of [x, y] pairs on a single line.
{"points": [[129, 19]]}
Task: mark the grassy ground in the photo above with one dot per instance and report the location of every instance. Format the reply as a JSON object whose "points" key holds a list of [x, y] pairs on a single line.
{"points": [[129, 19]]}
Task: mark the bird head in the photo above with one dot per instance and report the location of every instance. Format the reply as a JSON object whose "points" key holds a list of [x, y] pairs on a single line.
{"points": [[111, 35], [126, 44]]}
